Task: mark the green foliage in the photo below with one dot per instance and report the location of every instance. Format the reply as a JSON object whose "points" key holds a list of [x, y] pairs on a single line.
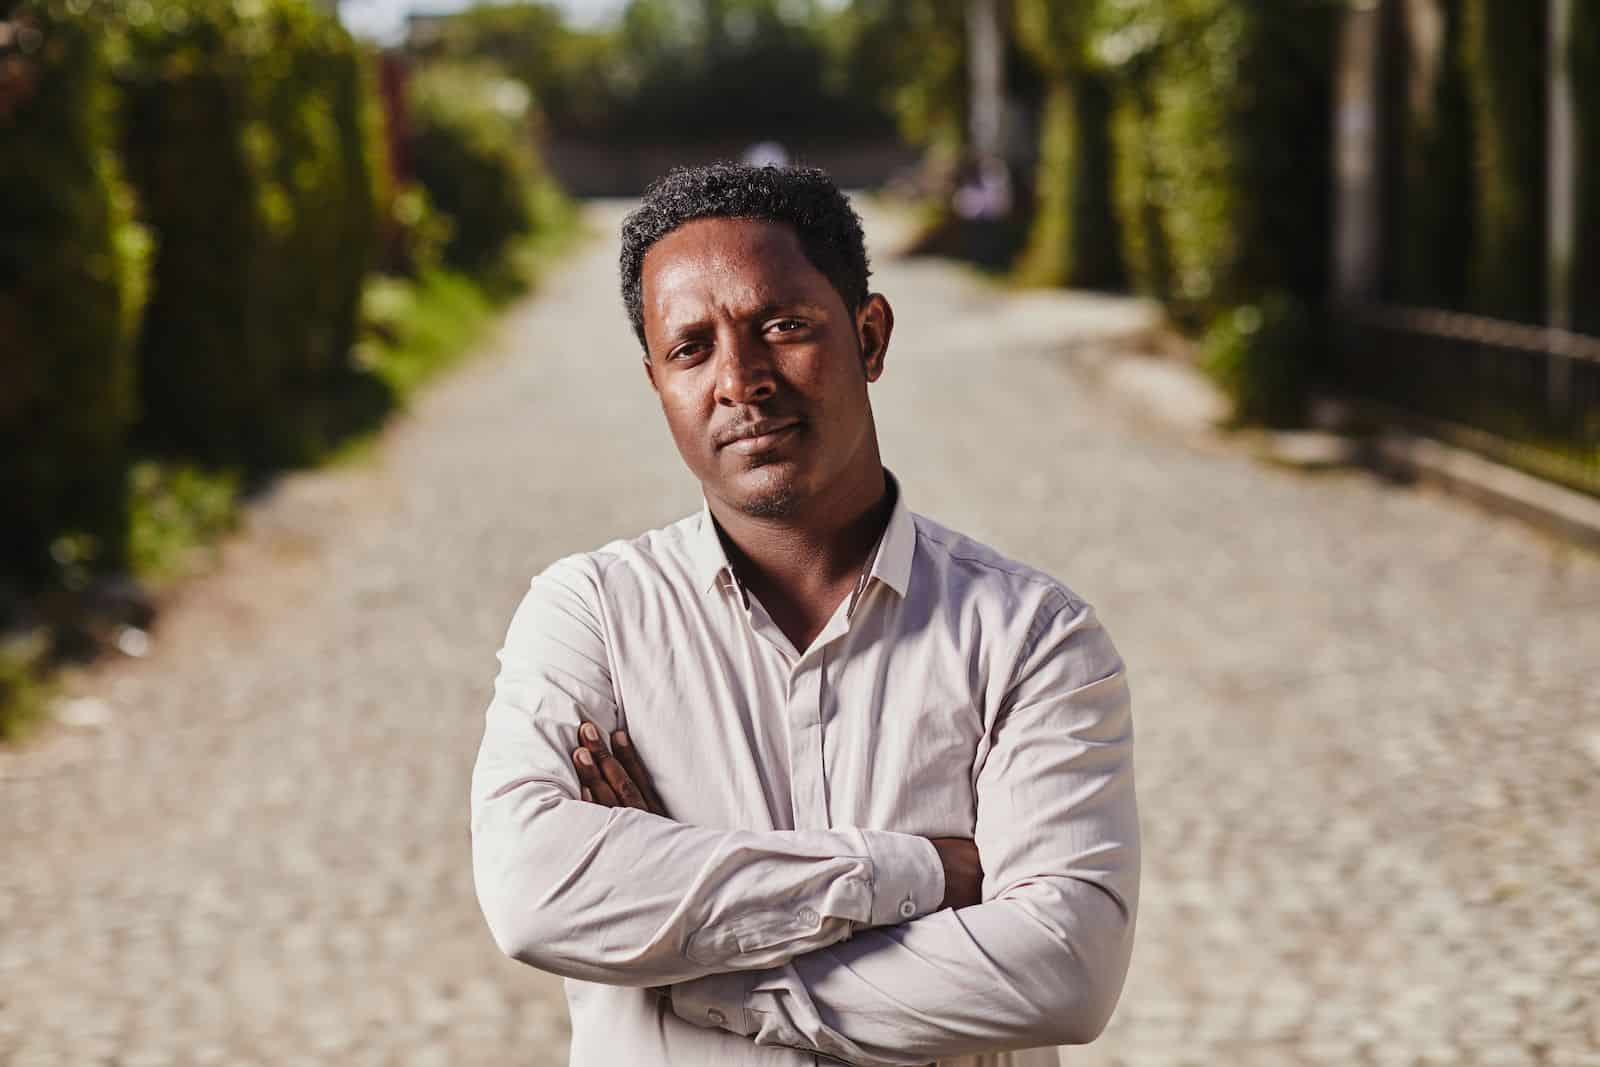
{"points": [[1073, 238], [1505, 56], [1138, 191], [414, 329], [473, 151], [415, 233], [1264, 357], [250, 140], [1237, 168], [71, 284], [1221, 135], [24, 691], [175, 507], [530, 42], [911, 57], [1584, 63], [698, 70]]}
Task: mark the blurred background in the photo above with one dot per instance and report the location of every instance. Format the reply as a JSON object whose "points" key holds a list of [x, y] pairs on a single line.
{"points": [[1175, 278]]}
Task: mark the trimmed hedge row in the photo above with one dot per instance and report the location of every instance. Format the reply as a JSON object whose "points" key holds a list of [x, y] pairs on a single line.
{"points": [[472, 145], [71, 286], [1234, 168], [1221, 140], [1584, 63], [1074, 239], [223, 159], [251, 143], [1505, 47]]}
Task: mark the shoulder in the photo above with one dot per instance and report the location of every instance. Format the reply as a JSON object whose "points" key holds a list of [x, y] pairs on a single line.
{"points": [[664, 555], [967, 568], [1047, 637]]}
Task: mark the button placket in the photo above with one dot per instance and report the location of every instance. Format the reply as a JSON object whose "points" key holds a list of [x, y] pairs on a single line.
{"points": [[808, 787]]}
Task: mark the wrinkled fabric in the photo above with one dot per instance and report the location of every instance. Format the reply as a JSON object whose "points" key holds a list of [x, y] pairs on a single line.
{"points": [[788, 910]]}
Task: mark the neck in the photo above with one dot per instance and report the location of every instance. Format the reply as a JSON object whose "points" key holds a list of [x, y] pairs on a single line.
{"points": [[806, 556]]}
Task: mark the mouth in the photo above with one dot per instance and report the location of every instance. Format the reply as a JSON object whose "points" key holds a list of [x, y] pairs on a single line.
{"points": [[759, 436]]}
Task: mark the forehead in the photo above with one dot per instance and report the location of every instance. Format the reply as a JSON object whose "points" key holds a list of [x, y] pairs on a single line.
{"points": [[727, 263]]}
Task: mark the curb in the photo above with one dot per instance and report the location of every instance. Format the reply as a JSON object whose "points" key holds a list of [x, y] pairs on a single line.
{"points": [[1173, 392], [1564, 512]]}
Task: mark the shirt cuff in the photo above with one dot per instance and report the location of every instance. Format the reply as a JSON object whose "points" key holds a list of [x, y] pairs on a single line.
{"points": [[907, 876], [716, 1002]]}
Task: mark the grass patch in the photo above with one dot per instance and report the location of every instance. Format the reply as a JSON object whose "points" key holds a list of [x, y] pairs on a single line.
{"points": [[26, 691], [417, 328], [174, 509]]}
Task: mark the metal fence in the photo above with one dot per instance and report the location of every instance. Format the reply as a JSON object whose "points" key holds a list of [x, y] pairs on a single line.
{"points": [[1528, 396]]}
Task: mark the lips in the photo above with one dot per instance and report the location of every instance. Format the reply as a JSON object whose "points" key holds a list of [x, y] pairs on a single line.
{"points": [[757, 436]]}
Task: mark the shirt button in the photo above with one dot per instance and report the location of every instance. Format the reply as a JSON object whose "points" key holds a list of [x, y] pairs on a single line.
{"points": [[807, 917], [908, 908], [716, 1017]]}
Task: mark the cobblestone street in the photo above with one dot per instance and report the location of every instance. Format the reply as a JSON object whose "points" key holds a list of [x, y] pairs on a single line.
{"points": [[1368, 724]]}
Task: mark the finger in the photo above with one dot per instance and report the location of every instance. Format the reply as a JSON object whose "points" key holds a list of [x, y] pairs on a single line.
{"points": [[617, 778], [588, 794], [628, 756], [590, 777], [589, 736], [612, 772]]}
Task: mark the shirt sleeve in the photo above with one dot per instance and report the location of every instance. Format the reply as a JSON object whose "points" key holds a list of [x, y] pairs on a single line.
{"points": [[1042, 960], [625, 897]]}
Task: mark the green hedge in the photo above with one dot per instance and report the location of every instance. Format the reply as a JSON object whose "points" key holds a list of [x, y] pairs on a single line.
{"points": [[1222, 137], [1505, 47], [1074, 237], [1139, 189], [472, 146], [1429, 196], [251, 143], [1585, 66], [71, 283], [1237, 168]]}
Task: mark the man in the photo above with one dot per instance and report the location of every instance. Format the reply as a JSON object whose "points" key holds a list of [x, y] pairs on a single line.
{"points": [[805, 775]]}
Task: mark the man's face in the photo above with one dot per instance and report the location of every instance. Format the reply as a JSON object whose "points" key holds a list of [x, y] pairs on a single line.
{"points": [[761, 370]]}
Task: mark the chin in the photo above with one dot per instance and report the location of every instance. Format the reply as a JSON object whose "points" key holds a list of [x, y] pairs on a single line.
{"points": [[771, 491]]}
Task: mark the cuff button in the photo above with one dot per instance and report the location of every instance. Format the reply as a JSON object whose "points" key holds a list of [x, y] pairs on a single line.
{"points": [[808, 918], [716, 1017], [908, 908]]}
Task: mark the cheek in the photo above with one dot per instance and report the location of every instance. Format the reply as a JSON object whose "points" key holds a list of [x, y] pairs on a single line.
{"points": [[686, 418]]}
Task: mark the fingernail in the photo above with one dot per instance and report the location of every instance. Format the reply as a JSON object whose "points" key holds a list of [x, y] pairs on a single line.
{"points": [[584, 757], [589, 732], [620, 738]]}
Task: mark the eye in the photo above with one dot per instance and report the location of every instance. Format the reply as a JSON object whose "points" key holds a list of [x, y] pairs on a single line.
{"points": [[687, 351], [787, 325]]}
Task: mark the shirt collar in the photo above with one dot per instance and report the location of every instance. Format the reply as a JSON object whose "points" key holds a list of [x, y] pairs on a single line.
{"points": [[891, 559]]}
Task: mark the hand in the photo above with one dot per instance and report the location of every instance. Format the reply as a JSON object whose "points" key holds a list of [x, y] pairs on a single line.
{"points": [[615, 781], [963, 876]]}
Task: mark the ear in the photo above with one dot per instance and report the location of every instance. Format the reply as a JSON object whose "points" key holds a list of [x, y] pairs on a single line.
{"points": [[650, 372], [874, 324]]}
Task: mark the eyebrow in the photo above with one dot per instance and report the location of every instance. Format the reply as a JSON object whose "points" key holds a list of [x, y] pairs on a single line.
{"points": [[676, 334]]}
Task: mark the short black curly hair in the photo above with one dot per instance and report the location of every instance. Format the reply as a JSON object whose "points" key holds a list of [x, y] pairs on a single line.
{"points": [[804, 197]]}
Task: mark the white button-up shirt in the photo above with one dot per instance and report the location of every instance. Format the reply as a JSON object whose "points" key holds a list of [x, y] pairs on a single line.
{"points": [[791, 902]]}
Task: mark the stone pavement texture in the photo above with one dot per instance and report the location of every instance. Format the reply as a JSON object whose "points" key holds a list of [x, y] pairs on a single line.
{"points": [[1368, 724]]}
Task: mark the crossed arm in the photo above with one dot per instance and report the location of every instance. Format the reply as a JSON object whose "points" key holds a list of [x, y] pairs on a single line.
{"points": [[833, 940]]}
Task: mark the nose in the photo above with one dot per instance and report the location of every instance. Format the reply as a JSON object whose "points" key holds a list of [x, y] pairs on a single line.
{"points": [[745, 373]]}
